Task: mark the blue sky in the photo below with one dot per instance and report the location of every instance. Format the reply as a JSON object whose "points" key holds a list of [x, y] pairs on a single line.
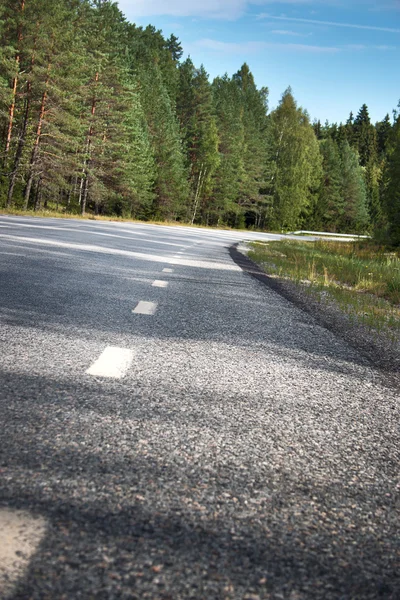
{"points": [[335, 54]]}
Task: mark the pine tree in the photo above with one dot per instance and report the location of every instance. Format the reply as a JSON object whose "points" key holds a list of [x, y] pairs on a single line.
{"points": [[199, 133], [231, 171], [329, 208], [174, 46], [373, 176], [171, 185], [254, 111], [355, 213], [296, 165], [392, 187], [384, 131], [99, 114], [350, 135], [44, 91], [365, 137], [318, 129]]}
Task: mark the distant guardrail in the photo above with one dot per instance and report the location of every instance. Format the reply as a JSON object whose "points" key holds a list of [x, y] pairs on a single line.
{"points": [[336, 235]]}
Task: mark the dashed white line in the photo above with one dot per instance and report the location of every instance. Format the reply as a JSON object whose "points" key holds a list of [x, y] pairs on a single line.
{"points": [[166, 270], [160, 283], [145, 308], [21, 533], [112, 362]]}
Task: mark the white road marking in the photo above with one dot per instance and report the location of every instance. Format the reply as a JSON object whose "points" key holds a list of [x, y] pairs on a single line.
{"points": [[112, 362], [174, 260], [160, 283], [20, 536], [167, 270], [145, 308]]}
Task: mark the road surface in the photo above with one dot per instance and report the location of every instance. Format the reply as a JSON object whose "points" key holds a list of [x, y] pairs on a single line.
{"points": [[171, 428]]}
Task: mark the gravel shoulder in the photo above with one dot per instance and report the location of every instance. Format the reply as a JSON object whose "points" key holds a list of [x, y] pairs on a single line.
{"points": [[375, 346]]}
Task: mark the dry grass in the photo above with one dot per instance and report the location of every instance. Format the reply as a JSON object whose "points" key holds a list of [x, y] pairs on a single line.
{"points": [[90, 217], [363, 278]]}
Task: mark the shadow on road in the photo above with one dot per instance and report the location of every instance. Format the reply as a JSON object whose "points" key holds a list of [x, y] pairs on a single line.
{"points": [[220, 500]]}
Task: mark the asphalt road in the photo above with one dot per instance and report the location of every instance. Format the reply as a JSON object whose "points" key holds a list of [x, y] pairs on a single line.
{"points": [[222, 445]]}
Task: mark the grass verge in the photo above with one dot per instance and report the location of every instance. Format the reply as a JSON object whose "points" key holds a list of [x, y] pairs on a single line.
{"points": [[361, 278]]}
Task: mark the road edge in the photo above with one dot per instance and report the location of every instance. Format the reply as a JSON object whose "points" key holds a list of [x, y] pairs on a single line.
{"points": [[374, 348]]}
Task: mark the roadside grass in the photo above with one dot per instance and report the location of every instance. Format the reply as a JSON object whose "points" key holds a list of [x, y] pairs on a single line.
{"points": [[361, 277], [58, 214]]}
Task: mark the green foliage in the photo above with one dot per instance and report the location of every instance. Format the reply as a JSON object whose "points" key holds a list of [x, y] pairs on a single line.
{"points": [[329, 207], [231, 171], [99, 114], [361, 277], [365, 137], [392, 189], [296, 163], [171, 185], [199, 133], [355, 213]]}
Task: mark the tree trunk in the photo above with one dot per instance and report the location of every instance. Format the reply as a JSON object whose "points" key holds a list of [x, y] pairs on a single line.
{"points": [[83, 191], [85, 194], [68, 203], [38, 195], [18, 154], [11, 110], [197, 194], [35, 150], [22, 137]]}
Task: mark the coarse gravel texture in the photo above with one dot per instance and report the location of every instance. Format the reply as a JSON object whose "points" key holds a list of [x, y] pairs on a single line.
{"points": [[376, 346], [249, 452]]}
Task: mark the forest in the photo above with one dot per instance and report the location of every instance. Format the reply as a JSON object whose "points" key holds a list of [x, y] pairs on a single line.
{"points": [[100, 116]]}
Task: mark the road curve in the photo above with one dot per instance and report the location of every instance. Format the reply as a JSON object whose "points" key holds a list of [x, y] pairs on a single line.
{"points": [[181, 431]]}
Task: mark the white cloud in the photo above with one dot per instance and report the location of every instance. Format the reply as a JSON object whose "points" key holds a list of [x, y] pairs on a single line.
{"points": [[255, 47], [229, 9], [248, 48], [359, 47], [223, 9], [218, 9], [288, 32], [330, 23]]}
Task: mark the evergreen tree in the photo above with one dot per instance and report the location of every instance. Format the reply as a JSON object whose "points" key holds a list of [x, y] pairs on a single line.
{"points": [[384, 131], [365, 137], [392, 187], [199, 132], [175, 47], [136, 174], [254, 119], [318, 130], [296, 168], [171, 185], [231, 171], [355, 213], [99, 114], [373, 175], [350, 135], [329, 208]]}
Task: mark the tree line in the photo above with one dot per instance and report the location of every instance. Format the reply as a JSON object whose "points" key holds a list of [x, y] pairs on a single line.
{"points": [[98, 114]]}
